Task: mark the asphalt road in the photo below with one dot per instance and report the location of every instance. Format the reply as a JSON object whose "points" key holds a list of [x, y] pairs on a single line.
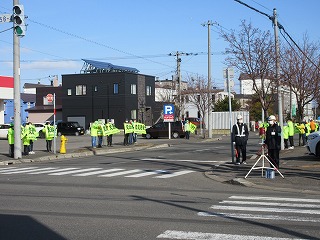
{"points": [[159, 193]]}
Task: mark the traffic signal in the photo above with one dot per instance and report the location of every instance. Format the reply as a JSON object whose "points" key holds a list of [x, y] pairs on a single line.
{"points": [[18, 20]]}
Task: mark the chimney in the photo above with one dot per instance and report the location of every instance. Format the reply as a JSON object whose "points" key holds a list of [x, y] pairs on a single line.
{"points": [[55, 81]]}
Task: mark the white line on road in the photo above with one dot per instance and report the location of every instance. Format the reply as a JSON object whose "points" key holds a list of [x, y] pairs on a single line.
{"points": [[98, 172], [259, 209], [310, 200], [74, 171], [120, 173], [50, 171], [16, 169], [7, 168], [173, 160], [261, 217], [278, 204], [172, 234], [29, 170], [174, 174], [148, 173]]}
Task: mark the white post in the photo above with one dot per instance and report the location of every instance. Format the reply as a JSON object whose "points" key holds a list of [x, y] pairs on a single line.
{"points": [[54, 124]]}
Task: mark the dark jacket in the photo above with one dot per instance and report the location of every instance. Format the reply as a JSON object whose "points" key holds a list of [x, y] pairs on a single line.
{"points": [[273, 137], [240, 134]]}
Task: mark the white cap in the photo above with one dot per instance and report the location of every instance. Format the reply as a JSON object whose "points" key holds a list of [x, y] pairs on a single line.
{"points": [[239, 117], [272, 117]]}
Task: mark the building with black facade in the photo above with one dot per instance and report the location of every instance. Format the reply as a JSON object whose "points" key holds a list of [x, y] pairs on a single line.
{"points": [[106, 91]]}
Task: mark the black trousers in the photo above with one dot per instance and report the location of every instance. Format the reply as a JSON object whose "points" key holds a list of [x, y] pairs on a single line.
{"points": [[109, 140], [291, 141], [49, 144], [11, 150], [273, 155], [243, 150]]}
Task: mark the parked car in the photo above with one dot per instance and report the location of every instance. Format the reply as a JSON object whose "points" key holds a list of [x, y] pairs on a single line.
{"points": [[69, 128], [4, 131], [313, 143], [161, 129]]}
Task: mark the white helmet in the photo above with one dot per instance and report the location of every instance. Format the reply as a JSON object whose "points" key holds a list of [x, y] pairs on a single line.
{"points": [[239, 117], [272, 117]]}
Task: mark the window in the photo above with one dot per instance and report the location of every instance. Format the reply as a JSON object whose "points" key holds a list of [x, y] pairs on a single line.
{"points": [[69, 91], [149, 90], [133, 114], [45, 101], [81, 90], [133, 89], [115, 88]]}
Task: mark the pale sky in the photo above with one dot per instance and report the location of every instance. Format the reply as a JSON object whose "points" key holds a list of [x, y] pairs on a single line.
{"points": [[140, 34]]}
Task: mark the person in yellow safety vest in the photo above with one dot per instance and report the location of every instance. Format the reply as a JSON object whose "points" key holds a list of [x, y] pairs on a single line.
{"points": [[291, 133], [11, 140], [100, 133], [25, 140], [302, 133], [285, 135], [94, 133], [32, 134], [187, 129], [49, 132], [134, 135], [317, 126], [109, 137], [307, 129]]}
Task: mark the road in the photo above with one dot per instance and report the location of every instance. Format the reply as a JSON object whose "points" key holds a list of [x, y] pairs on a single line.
{"points": [[159, 193]]}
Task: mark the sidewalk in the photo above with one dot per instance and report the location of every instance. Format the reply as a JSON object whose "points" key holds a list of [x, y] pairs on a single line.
{"points": [[301, 173]]}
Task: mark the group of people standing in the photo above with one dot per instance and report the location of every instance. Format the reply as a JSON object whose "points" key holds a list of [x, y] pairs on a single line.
{"points": [[100, 130], [29, 135], [272, 140]]}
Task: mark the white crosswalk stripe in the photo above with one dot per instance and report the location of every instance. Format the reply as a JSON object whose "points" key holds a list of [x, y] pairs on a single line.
{"points": [[173, 234], [267, 208], [99, 172]]}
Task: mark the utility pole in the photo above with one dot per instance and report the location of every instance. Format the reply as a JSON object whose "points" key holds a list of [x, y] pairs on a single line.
{"points": [[208, 24], [16, 93], [178, 72], [280, 112]]}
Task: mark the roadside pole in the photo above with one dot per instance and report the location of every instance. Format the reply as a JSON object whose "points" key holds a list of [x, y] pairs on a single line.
{"points": [[54, 124], [16, 93]]}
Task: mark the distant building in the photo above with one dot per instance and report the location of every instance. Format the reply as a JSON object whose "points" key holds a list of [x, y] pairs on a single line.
{"points": [[6, 92], [106, 91]]}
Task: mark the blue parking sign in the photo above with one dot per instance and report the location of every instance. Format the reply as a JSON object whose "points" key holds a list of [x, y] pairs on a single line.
{"points": [[168, 109]]}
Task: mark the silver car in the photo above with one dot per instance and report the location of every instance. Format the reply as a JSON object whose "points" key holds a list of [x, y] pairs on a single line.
{"points": [[4, 131], [313, 143]]}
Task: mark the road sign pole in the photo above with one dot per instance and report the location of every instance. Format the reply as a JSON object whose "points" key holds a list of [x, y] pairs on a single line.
{"points": [[54, 124], [169, 130]]}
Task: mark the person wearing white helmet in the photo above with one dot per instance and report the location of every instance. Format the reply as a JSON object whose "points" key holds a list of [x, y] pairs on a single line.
{"points": [[240, 135], [273, 141]]}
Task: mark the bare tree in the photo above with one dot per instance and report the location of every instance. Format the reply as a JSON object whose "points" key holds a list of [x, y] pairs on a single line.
{"points": [[252, 52], [301, 74], [197, 94]]}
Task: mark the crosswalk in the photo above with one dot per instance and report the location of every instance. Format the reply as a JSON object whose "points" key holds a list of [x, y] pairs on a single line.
{"points": [[98, 172], [305, 210], [267, 208]]}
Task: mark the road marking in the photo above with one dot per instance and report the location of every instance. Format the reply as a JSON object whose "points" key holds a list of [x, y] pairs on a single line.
{"points": [[50, 171], [257, 216], [148, 173], [74, 171], [172, 234], [272, 204], [310, 200], [28, 171], [258, 209], [21, 169], [170, 175], [98, 172], [120, 173], [7, 168], [172, 160]]}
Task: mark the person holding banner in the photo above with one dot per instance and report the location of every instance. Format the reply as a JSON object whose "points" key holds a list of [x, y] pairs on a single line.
{"points": [[48, 130], [127, 129], [111, 129]]}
